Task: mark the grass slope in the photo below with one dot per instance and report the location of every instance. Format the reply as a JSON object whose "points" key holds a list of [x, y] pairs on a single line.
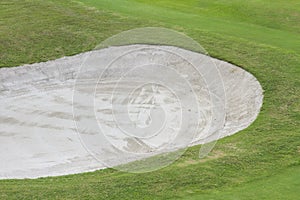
{"points": [[260, 36]]}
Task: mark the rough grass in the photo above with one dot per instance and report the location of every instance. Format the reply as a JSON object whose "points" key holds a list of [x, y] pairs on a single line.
{"points": [[34, 31], [260, 36]]}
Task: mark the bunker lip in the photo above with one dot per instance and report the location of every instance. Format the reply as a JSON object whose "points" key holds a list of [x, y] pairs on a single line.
{"points": [[38, 135]]}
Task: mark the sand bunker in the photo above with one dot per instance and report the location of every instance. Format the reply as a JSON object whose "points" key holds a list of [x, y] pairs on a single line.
{"points": [[41, 133]]}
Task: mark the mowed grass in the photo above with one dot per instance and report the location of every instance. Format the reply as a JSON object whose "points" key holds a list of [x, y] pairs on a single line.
{"points": [[282, 186], [259, 36], [38, 30]]}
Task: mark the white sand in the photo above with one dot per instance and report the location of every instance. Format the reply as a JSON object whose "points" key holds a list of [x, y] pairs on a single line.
{"points": [[38, 134]]}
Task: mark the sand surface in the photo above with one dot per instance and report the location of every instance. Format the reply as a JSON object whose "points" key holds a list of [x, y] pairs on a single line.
{"points": [[47, 126]]}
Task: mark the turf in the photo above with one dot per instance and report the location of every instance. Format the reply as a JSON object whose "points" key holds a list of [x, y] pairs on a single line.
{"points": [[282, 186], [260, 36]]}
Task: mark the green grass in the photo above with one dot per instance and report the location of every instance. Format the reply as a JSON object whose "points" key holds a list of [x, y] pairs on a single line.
{"points": [[282, 186], [253, 20], [34, 31], [262, 37]]}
